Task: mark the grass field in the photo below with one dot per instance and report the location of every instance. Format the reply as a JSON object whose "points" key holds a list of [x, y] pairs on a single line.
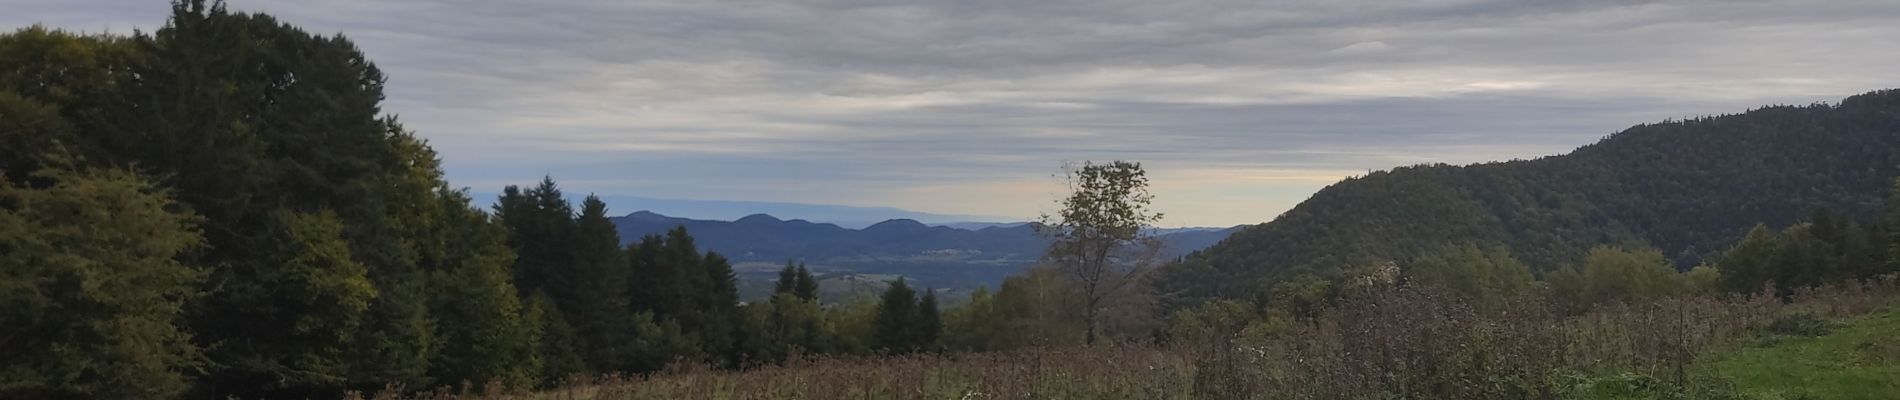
{"points": [[1835, 343], [1858, 359]]}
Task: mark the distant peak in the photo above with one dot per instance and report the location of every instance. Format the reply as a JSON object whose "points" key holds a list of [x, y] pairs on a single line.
{"points": [[901, 223], [644, 214], [757, 218]]}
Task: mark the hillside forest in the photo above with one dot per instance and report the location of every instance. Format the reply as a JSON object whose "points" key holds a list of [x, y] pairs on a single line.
{"points": [[221, 208]]}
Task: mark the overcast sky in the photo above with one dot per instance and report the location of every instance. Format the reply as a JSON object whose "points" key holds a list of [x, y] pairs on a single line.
{"points": [[1239, 109]]}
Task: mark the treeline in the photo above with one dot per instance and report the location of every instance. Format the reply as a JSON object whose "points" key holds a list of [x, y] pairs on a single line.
{"points": [[221, 208], [1825, 249], [1687, 188]]}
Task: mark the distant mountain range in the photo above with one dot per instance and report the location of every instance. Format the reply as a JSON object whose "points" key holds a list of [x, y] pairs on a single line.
{"points": [[844, 216], [937, 256], [762, 237]]}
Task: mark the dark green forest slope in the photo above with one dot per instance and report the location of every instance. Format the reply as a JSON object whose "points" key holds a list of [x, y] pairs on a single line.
{"points": [[1690, 188]]}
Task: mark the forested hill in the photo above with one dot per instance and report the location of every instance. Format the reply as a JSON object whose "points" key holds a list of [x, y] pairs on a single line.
{"points": [[1689, 188], [761, 237]]}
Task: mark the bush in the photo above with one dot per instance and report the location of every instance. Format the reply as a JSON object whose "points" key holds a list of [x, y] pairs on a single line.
{"points": [[1800, 324]]}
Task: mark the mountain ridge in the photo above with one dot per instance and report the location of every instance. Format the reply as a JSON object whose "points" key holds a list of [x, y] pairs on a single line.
{"points": [[1687, 187], [767, 237]]}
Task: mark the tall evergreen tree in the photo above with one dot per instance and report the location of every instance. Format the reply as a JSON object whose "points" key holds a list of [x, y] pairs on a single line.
{"points": [[929, 322], [647, 279], [898, 319], [807, 287], [541, 229], [718, 311], [594, 294], [787, 279]]}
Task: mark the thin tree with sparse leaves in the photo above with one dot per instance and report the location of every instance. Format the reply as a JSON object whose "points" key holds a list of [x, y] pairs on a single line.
{"points": [[1103, 234]]}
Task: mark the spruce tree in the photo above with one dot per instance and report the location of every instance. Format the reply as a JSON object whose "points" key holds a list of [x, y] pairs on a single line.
{"points": [[929, 322], [787, 279], [541, 229], [897, 319], [594, 293], [807, 287]]}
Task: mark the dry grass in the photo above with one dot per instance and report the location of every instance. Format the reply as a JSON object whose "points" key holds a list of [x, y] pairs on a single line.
{"points": [[1386, 342]]}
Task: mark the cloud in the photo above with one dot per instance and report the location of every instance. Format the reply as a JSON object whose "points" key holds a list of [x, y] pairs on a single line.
{"points": [[1240, 108]]}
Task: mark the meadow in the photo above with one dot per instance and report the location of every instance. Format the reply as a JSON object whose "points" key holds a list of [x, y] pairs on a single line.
{"points": [[1380, 343]]}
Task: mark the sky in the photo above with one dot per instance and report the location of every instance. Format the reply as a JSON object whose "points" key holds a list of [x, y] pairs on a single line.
{"points": [[1238, 109]]}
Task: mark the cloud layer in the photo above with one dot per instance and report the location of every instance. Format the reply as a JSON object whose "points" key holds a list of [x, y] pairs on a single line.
{"points": [[1239, 108]]}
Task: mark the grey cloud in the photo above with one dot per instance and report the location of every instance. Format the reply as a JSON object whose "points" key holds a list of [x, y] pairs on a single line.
{"points": [[968, 102]]}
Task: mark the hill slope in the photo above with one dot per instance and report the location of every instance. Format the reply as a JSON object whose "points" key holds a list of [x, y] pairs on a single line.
{"points": [[1687, 187]]}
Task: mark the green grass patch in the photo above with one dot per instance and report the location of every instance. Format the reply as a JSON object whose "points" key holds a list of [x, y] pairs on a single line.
{"points": [[1857, 360]]}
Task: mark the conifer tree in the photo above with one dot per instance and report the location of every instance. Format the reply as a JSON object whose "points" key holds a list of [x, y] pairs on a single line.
{"points": [[929, 322], [594, 292], [898, 319], [787, 279], [541, 229], [807, 288]]}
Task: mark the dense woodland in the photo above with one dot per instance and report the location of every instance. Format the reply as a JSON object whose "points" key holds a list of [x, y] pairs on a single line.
{"points": [[1686, 188], [221, 208]]}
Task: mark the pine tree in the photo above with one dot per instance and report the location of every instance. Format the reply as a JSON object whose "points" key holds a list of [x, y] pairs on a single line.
{"points": [[787, 279], [541, 229], [898, 319], [929, 322], [718, 310], [807, 287], [647, 277], [594, 294]]}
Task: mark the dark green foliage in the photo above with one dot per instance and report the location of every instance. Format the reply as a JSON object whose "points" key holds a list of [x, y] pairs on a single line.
{"points": [[93, 289], [787, 279], [1689, 188], [807, 287], [480, 322], [557, 348], [310, 297], [929, 322], [1829, 248], [897, 318], [656, 343], [974, 326], [541, 229], [676, 283], [1486, 276], [1619, 275], [795, 280], [596, 287], [903, 323], [335, 257]]}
